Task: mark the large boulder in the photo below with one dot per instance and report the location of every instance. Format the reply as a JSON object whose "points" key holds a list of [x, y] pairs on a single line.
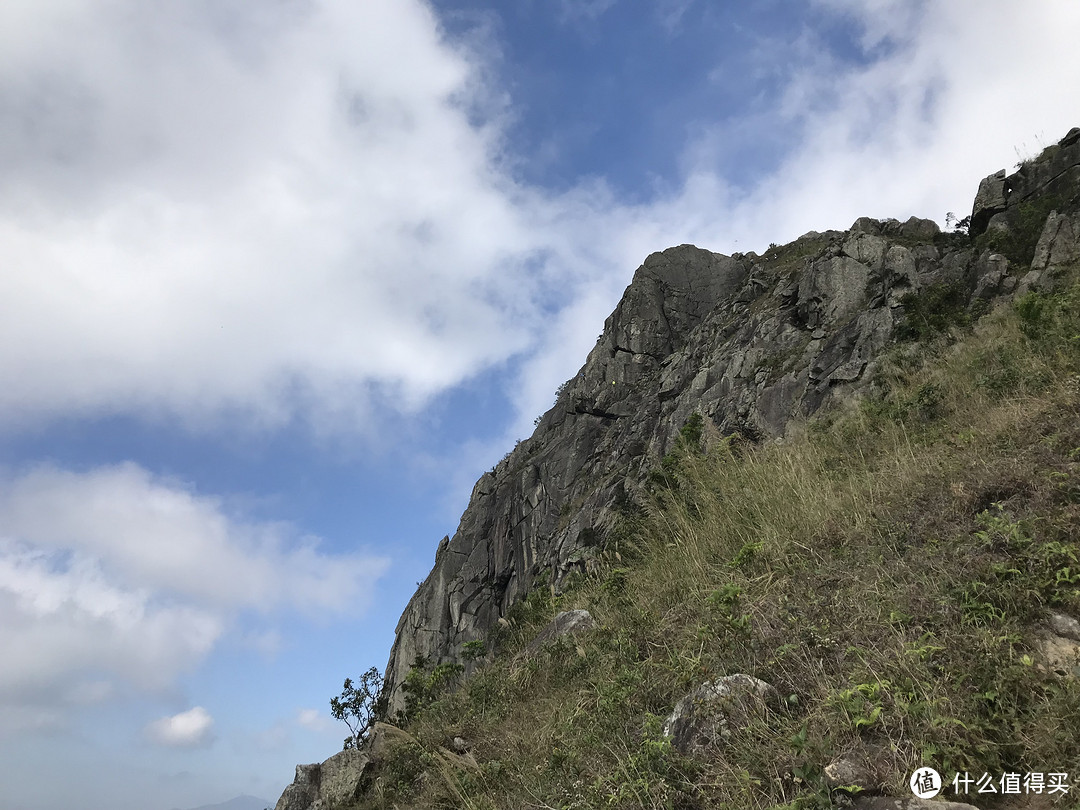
{"points": [[327, 785], [348, 774], [714, 710], [907, 803], [852, 772], [989, 200], [567, 623]]}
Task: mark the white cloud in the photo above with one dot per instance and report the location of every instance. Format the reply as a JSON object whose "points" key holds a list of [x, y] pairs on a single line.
{"points": [[161, 535], [274, 209], [289, 210], [190, 729], [112, 577], [63, 618], [315, 720]]}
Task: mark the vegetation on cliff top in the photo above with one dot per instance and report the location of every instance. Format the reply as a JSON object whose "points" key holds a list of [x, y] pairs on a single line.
{"points": [[886, 568]]}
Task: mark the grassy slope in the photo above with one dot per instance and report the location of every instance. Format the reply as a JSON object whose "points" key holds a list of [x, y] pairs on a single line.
{"points": [[885, 570]]}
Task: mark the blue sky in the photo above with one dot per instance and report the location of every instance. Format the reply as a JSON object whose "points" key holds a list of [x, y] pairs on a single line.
{"points": [[280, 279]]}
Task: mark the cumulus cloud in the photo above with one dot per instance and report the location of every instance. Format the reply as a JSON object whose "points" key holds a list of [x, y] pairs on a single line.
{"points": [[190, 729], [315, 720], [292, 210], [163, 536], [274, 209], [112, 576], [62, 617]]}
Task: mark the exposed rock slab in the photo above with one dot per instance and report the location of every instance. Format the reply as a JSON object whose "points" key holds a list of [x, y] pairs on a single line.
{"points": [[851, 771], [1065, 626]]}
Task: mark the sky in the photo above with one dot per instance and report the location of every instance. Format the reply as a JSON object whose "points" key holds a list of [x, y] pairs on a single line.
{"points": [[279, 279]]}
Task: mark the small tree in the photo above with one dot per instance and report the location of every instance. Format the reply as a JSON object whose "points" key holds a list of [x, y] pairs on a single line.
{"points": [[359, 706]]}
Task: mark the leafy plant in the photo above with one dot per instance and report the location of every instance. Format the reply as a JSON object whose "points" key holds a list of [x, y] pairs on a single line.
{"points": [[933, 310], [359, 705], [423, 685], [473, 650]]}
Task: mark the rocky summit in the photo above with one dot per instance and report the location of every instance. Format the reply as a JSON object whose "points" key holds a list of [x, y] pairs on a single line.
{"points": [[735, 348], [749, 342]]}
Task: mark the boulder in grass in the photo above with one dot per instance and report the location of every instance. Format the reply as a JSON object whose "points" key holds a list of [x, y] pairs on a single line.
{"points": [[713, 710], [567, 623]]}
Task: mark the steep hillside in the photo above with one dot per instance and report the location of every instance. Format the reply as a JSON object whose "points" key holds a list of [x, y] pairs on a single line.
{"points": [[825, 502], [750, 343]]}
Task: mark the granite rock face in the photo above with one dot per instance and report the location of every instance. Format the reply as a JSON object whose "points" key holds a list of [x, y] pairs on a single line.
{"points": [[749, 342], [326, 785]]}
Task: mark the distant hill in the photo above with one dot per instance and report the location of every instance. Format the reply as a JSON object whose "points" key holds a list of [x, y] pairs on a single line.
{"points": [[239, 803]]}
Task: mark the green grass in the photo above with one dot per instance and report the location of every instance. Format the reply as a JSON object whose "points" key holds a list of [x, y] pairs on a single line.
{"points": [[883, 568]]}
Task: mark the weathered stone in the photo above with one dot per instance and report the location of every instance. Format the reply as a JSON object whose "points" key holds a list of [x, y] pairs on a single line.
{"points": [[832, 290], [866, 225], [304, 790], [851, 771], [330, 784], [1059, 243], [907, 803], [989, 200], [922, 229], [1059, 655], [713, 710], [1064, 625], [567, 623], [866, 249], [994, 279]]}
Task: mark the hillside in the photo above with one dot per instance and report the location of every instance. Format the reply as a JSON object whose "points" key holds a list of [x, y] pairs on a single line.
{"points": [[843, 475]]}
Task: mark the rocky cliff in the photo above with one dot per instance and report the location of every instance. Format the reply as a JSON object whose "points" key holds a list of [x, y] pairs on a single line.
{"points": [[750, 343]]}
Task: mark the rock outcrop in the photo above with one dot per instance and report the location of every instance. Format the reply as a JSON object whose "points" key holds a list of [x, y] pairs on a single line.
{"points": [[712, 711], [750, 343], [567, 623], [326, 785]]}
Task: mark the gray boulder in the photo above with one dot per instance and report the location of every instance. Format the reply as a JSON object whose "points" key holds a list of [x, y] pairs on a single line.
{"points": [[907, 803], [1058, 646], [1065, 626], [989, 200], [713, 710], [327, 785], [567, 623], [852, 771], [346, 775]]}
